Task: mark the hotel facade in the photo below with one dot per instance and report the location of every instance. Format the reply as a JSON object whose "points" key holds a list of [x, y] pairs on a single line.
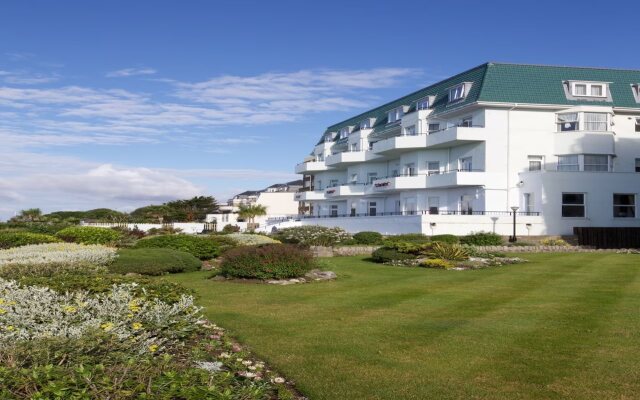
{"points": [[557, 146]]}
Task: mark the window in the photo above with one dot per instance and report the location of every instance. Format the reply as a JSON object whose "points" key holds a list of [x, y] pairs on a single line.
{"points": [[373, 208], [528, 203], [410, 130], [637, 124], [372, 176], [594, 162], [319, 184], [334, 210], [333, 182], [466, 206], [568, 163], [344, 132], [354, 146], [395, 115], [467, 122], [434, 205], [371, 145], [366, 124], [456, 93], [587, 89], [423, 104], [624, 205], [328, 137], [354, 179], [465, 164], [567, 122], [410, 169], [434, 127], [320, 157], [535, 163], [433, 167], [573, 205], [395, 172], [595, 121], [353, 209], [637, 164]]}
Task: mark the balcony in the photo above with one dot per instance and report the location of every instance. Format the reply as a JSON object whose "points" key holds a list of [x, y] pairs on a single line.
{"points": [[453, 136], [454, 178], [584, 142], [350, 157], [357, 189], [311, 167], [309, 195]]}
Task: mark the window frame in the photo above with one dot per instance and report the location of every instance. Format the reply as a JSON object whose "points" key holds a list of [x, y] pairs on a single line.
{"points": [[420, 104], [631, 206], [637, 165], [577, 163], [433, 124], [583, 205], [561, 125], [589, 89], [397, 113], [365, 124], [410, 130], [534, 159], [457, 93], [637, 124], [433, 171]]}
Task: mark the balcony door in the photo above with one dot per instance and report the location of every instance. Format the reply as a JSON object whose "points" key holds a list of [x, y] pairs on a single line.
{"points": [[373, 208], [466, 204], [410, 205], [465, 164]]}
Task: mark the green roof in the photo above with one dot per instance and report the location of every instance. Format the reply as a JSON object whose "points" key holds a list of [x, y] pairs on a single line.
{"points": [[511, 83]]}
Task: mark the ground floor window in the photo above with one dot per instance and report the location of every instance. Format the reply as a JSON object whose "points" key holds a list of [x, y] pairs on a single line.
{"points": [[624, 205], [568, 163], [373, 208], [573, 205], [637, 164], [466, 202], [529, 203], [334, 210], [434, 205]]}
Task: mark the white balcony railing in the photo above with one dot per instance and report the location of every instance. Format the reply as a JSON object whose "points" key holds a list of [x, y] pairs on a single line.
{"points": [[452, 136], [311, 166]]}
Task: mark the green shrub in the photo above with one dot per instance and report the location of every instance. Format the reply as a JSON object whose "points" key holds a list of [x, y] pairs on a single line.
{"points": [[416, 238], [16, 239], [47, 228], [368, 237], [202, 247], [437, 263], [248, 239], [448, 251], [312, 235], [154, 261], [554, 242], [386, 255], [89, 235], [230, 229], [482, 239], [451, 239], [270, 261], [151, 288]]}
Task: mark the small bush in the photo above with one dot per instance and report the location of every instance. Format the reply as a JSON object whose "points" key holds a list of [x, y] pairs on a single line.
{"points": [[201, 247], [448, 252], [230, 229], [437, 263], [451, 239], [16, 239], [313, 235], [154, 261], [246, 239], [416, 238], [165, 230], [270, 261], [386, 255], [554, 242], [47, 228], [368, 238], [482, 239], [89, 235]]}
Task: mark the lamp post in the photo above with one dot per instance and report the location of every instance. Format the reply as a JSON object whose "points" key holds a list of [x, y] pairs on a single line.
{"points": [[513, 238]]}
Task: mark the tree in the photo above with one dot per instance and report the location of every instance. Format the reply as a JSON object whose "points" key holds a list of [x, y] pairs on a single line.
{"points": [[28, 215], [152, 213], [194, 209], [250, 212]]}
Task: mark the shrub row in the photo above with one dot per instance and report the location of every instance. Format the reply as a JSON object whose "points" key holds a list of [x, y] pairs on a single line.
{"points": [[270, 261], [16, 239], [154, 261]]}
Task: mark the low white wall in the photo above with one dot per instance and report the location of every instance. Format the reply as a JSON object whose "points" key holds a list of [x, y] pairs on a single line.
{"points": [[386, 225]]}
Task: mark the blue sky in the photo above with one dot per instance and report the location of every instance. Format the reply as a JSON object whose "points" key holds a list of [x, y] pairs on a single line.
{"points": [[121, 104]]}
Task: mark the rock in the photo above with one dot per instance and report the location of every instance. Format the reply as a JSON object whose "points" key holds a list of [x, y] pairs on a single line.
{"points": [[318, 275], [218, 278]]}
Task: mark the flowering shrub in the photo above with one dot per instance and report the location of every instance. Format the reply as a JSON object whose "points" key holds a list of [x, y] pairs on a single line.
{"points": [[313, 235], [15, 239], [270, 261], [89, 235], [554, 242], [201, 247], [437, 263], [243, 239], [154, 261], [54, 258]]}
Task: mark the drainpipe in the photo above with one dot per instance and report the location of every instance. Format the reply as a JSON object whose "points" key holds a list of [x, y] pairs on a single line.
{"points": [[515, 105]]}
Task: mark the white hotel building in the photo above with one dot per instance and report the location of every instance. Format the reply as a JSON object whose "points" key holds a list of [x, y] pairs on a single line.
{"points": [[560, 143]]}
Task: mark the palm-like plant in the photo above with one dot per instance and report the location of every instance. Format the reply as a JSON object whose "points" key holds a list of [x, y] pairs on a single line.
{"points": [[250, 212]]}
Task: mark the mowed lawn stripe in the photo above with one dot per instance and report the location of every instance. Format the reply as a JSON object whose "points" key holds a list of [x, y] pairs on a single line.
{"points": [[378, 332]]}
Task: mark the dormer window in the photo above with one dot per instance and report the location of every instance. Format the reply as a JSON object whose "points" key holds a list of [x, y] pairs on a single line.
{"points": [[395, 115], [422, 104], [635, 88], [457, 93], [366, 124], [328, 137], [344, 132], [637, 124], [588, 89]]}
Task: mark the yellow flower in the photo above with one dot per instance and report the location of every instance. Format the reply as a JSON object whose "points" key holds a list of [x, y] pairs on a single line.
{"points": [[1, 301], [153, 348], [130, 315], [107, 326], [10, 328], [133, 305], [70, 309], [136, 326], [3, 311]]}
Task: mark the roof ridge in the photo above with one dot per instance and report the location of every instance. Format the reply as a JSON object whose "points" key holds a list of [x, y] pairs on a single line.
{"points": [[561, 66]]}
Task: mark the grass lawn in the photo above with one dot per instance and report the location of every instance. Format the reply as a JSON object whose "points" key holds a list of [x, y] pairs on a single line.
{"points": [[562, 326]]}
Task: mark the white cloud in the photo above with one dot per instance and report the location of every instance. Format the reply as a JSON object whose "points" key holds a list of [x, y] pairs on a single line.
{"points": [[122, 73]]}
